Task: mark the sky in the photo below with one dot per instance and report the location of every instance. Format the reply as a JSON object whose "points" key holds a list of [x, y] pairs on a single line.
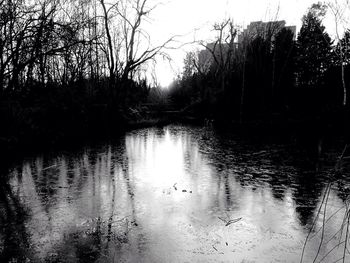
{"points": [[193, 20]]}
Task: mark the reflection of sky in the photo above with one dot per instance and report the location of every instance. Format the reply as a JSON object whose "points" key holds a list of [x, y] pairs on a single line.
{"points": [[173, 193]]}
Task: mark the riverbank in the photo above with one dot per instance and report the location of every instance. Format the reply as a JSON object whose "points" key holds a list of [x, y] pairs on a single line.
{"points": [[12, 148], [32, 130]]}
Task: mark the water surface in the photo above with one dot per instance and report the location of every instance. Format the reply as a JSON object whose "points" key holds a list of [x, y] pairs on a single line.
{"points": [[172, 194]]}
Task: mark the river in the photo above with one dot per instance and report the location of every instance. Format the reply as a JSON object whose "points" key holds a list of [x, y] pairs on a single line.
{"points": [[173, 194]]}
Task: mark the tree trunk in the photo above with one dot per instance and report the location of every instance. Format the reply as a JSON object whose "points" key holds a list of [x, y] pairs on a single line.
{"points": [[344, 84], [243, 88], [110, 44]]}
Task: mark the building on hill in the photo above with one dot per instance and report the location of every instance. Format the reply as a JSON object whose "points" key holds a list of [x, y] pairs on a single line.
{"points": [[213, 51], [264, 29]]}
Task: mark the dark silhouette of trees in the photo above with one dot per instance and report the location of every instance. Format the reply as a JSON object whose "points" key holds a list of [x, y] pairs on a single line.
{"points": [[344, 44], [342, 51], [36, 37], [85, 62], [54, 41], [283, 69], [339, 11], [66, 66], [264, 74], [244, 80], [222, 51], [110, 53], [313, 49]]}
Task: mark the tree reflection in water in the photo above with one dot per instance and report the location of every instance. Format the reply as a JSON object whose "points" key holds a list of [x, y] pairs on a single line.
{"points": [[118, 202]]}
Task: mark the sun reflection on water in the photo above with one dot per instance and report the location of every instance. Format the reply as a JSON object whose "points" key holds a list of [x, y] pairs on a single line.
{"points": [[163, 195]]}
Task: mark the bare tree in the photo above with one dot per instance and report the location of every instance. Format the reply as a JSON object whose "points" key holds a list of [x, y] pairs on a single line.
{"points": [[110, 55], [137, 42], [339, 11], [40, 40], [222, 50]]}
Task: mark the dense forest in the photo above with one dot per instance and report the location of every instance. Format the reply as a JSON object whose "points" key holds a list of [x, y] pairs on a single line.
{"points": [[269, 73], [68, 68], [73, 68]]}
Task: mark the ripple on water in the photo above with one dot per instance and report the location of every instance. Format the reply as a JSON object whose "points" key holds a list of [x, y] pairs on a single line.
{"points": [[172, 194]]}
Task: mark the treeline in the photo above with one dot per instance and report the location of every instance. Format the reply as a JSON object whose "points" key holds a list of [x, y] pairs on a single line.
{"points": [[71, 67], [269, 74]]}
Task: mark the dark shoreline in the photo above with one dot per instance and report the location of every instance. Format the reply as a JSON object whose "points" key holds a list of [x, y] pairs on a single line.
{"points": [[17, 149], [297, 131]]}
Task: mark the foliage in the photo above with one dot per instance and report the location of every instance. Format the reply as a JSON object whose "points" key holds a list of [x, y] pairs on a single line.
{"points": [[314, 49], [226, 80], [63, 68], [266, 75], [344, 47]]}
